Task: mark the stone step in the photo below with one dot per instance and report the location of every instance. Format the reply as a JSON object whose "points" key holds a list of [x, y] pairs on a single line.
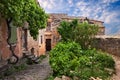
{"points": [[34, 58], [37, 61], [30, 56]]}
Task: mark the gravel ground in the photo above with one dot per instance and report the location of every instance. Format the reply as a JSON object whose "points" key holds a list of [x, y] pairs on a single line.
{"points": [[34, 72], [117, 67]]}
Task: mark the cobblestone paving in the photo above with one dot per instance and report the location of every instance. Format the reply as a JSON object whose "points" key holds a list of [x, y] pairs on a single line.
{"points": [[34, 72]]}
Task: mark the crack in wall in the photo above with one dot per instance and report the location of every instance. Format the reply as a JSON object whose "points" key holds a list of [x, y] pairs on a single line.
{"points": [[12, 40]]}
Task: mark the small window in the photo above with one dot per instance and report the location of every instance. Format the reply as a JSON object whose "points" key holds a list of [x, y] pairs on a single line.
{"points": [[41, 39], [32, 50]]}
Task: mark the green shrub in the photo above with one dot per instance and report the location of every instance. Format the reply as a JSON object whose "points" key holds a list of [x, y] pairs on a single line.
{"points": [[50, 78], [63, 58], [105, 59], [99, 61], [67, 58], [42, 57]]}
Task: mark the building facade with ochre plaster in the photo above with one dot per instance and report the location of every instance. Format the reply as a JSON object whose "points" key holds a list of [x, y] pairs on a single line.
{"points": [[49, 36]]}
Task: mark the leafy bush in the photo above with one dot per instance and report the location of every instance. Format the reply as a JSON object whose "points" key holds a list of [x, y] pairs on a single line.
{"points": [[64, 57], [105, 59], [24, 11], [50, 78], [67, 58], [82, 33]]}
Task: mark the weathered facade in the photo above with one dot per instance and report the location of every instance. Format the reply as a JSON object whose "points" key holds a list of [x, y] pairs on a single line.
{"points": [[5, 51], [14, 41], [57, 18], [8, 51], [49, 37]]}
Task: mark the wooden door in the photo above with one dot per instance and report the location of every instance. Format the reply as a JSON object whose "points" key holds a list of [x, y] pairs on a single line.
{"points": [[48, 44]]}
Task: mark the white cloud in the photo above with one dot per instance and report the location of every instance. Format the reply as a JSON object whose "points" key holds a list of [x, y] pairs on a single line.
{"points": [[109, 17], [53, 5], [81, 3], [45, 4], [108, 1], [95, 9], [70, 2]]}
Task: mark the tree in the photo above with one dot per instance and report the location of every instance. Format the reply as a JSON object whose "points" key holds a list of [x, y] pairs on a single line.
{"points": [[66, 29], [82, 33], [21, 11]]}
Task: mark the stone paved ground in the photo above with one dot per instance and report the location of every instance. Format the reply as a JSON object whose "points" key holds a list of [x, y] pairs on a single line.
{"points": [[34, 72], [117, 67], [43, 70]]}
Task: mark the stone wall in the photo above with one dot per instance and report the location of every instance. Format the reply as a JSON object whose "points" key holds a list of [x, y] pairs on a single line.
{"points": [[4, 47], [41, 41], [108, 44], [33, 44], [5, 52]]}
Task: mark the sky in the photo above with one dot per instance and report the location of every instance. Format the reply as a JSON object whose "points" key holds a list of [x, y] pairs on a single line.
{"points": [[107, 11]]}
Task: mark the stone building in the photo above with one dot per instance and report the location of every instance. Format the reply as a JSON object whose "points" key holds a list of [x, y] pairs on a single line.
{"points": [[49, 36], [10, 42], [15, 41]]}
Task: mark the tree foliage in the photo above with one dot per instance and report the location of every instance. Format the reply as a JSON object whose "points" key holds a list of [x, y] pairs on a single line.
{"points": [[82, 33], [24, 10], [65, 30]]}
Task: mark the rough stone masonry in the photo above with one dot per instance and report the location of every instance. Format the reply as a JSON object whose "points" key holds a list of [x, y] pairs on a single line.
{"points": [[108, 44]]}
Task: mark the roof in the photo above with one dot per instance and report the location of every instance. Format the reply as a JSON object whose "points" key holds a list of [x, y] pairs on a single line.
{"points": [[65, 16]]}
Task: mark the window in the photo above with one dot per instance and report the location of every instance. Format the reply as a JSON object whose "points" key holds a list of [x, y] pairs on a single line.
{"points": [[41, 39]]}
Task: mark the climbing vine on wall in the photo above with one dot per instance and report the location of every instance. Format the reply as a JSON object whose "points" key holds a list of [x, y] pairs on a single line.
{"points": [[24, 10]]}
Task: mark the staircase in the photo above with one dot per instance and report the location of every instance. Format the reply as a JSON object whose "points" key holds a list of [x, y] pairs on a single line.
{"points": [[31, 57]]}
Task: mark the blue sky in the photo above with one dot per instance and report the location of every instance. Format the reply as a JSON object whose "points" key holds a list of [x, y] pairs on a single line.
{"points": [[107, 11]]}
